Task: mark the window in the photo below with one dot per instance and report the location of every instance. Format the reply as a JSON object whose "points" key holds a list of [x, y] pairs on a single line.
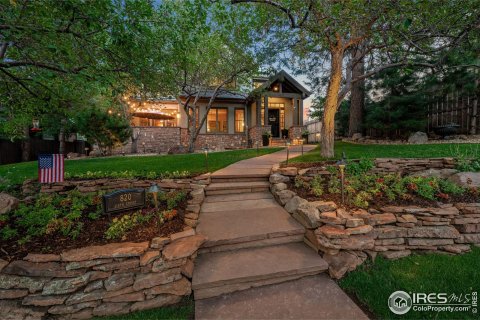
{"points": [[217, 120], [239, 120]]}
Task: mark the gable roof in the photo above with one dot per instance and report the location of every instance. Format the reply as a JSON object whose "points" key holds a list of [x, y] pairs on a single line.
{"points": [[282, 76]]}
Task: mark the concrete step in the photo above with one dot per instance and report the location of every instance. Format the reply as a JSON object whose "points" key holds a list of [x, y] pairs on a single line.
{"points": [[224, 272], [237, 197], [255, 227], [236, 187], [239, 205]]}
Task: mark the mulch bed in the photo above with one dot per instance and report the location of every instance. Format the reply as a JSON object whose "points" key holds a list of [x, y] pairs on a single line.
{"points": [[93, 233]]}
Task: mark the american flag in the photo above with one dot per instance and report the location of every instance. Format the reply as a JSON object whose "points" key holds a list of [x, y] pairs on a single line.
{"points": [[50, 168]]}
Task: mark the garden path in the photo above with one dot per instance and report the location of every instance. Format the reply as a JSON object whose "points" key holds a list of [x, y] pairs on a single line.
{"points": [[254, 264]]}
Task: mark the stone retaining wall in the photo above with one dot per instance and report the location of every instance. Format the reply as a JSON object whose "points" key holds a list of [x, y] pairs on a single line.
{"points": [[345, 238], [116, 278], [411, 165]]}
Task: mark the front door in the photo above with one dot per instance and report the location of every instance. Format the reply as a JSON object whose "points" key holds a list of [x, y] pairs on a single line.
{"points": [[274, 121]]}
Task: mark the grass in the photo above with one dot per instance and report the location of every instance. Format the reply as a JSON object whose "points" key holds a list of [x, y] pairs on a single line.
{"points": [[182, 311], [430, 273], [357, 151], [141, 165]]}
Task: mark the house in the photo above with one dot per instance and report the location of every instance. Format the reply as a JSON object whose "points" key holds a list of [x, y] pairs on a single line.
{"points": [[235, 120]]}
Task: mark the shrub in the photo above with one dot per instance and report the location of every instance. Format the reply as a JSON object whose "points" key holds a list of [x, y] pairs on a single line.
{"points": [[120, 226], [300, 183], [360, 167], [316, 185], [172, 198]]}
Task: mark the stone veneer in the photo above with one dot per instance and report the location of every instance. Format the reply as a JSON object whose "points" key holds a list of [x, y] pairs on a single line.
{"points": [[255, 135], [345, 238], [295, 132]]}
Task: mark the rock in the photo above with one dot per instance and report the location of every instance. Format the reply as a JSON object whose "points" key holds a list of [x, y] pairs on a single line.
{"points": [[383, 218], [407, 218], [11, 310], [307, 215], [418, 138], [356, 136], [390, 232], [63, 286], [86, 264], [466, 179], [468, 208], [396, 254], [342, 263], [162, 265], [182, 234], [187, 269], [119, 265], [159, 242], [193, 208], [43, 301], [435, 173], [149, 257], [183, 248], [47, 269], [389, 242], [12, 293], [354, 222], [330, 217], [149, 280], [324, 206], [36, 257], [358, 242], [292, 204], [182, 287], [456, 248], [64, 309], [119, 281], [7, 203], [15, 282], [429, 242], [360, 229], [360, 213], [112, 250], [283, 196], [466, 221], [279, 187], [443, 232], [468, 228], [288, 171], [344, 214], [332, 232], [473, 238], [277, 178], [106, 309], [129, 297], [157, 302], [93, 286]]}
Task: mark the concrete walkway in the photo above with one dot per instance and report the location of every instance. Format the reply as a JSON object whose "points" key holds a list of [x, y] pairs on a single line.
{"points": [[254, 264]]}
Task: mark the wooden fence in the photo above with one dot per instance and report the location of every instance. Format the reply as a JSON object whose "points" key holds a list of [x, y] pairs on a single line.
{"points": [[457, 109]]}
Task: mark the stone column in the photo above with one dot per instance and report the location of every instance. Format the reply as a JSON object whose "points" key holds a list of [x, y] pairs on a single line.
{"points": [[265, 112], [300, 112], [259, 112], [295, 112]]}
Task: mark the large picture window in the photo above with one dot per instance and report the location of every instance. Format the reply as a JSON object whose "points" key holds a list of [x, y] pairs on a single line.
{"points": [[239, 120], [217, 120]]}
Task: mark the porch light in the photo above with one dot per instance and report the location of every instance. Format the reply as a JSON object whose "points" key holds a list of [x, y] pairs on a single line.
{"points": [[275, 88], [341, 165], [153, 190], [35, 125]]}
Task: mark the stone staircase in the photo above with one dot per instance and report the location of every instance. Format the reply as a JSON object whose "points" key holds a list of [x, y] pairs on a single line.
{"points": [[252, 241], [277, 142]]}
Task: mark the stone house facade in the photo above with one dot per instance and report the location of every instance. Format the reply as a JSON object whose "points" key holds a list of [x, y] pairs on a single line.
{"points": [[234, 121]]}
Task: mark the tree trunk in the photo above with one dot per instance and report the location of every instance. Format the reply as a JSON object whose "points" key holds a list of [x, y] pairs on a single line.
{"points": [[331, 101], [357, 98], [61, 139], [193, 130], [26, 143]]}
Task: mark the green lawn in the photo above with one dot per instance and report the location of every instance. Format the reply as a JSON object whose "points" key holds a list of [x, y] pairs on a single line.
{"points": [[139, 166], [429, 273], [182, 311], [357, 151]]}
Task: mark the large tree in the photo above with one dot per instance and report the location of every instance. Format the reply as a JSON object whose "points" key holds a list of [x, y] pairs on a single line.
{"points": [[324, 32]]}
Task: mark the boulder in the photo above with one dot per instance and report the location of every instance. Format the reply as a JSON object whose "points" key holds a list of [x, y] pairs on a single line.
{"points": [[183, 248], [418, 138], [343, 262], [292, 204], [279, 187], [284, 195], [308, 215], [357, 136], [323, 206], [288, 171], [277, 178], [7, 203], [466, 179]]}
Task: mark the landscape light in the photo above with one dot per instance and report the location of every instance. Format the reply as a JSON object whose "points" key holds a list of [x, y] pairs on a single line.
{"points": [[205, 151], [288, 151], [341, 165], [153, 190]]}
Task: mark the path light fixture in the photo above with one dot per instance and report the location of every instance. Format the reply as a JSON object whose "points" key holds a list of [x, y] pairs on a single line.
{"points": [[143, 144], [153, 190], [288, 151], [341, 165], [205, 151], [301, 143], [86, 151]]}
